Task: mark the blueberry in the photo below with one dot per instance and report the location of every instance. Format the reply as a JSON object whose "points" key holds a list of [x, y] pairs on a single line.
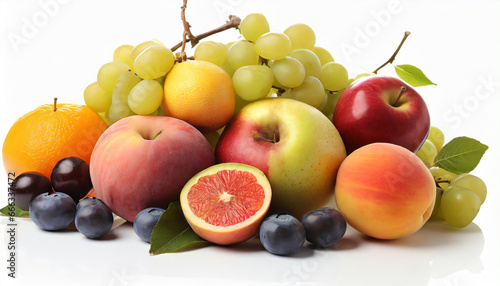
{"points": [[282, 234], [145, 221], [89, 201], [52, 211], [94, 220], [324, 226]]}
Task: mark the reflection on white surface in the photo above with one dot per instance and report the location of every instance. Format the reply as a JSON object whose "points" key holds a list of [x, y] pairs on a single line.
{"points": [[432, 256]]}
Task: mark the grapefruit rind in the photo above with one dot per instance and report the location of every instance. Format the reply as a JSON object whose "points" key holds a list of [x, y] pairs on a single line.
{"points": [[225, 235]]}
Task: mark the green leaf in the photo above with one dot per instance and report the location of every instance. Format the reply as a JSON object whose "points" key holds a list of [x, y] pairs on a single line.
{"points": [[172, 232], [14, 211], [460, 155], [412, 75]]}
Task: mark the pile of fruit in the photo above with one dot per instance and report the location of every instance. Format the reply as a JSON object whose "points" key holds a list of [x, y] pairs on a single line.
{"points": [[250, 138]]}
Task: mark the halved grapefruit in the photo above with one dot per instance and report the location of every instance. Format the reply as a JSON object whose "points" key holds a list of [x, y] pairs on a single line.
{"points": [[226, 203]]}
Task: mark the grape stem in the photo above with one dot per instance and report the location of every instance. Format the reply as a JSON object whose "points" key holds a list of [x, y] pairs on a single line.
{"points": [[183, 53], [280, 90], [187, 27], [393, 57], [55, 104], [233, 22]]}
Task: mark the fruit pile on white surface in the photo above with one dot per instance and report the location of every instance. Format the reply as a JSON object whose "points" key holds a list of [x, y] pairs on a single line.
{"points": [[256, 137]]}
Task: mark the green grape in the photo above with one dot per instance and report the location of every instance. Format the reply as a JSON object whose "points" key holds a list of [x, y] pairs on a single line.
{"points": [[301, 36], [105, 117], [230, 44], [253, 26], [122, 54], [137, 50], [119, 106], [145, 97], [272, 92], [273, 46], [324, 56], [437, 213], [161, 110], [97, 98], [322, 106], [279, 85], [310, 91], [361, 75], [309, 60], [459, 206], [227, 67], [109, 73], [154, 62], [334, 76], [242, 53], [443, 176], [436, 136], [211, 51], [161, 80], [253, 82], [333, 98], [472, 183], [288, 72], [239, 104], [427, 153]]}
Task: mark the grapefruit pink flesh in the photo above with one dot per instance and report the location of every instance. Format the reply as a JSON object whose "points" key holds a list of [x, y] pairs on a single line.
{"points": [[226, 203], [226, 198]]}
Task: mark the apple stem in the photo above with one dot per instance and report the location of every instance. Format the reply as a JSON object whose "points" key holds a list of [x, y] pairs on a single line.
{"points": [[233, 22], [403, 89], [275, 137], [55, 104], [393, 57]]}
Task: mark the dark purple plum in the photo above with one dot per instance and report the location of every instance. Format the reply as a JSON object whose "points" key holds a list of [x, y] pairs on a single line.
{"points": [[28, 186], [71, 176]]}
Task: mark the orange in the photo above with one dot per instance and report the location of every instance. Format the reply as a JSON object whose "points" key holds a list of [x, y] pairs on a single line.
{"points": [[226, 203], [40, 138], [200, 93]]}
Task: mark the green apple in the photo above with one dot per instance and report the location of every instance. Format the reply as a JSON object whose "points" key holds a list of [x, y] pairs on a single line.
{"points": [[293, 143]]}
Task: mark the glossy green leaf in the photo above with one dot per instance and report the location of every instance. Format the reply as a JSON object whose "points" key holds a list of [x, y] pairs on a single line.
{"points": [[172, 232], [460, 155], [14, 211], [412, 75]]}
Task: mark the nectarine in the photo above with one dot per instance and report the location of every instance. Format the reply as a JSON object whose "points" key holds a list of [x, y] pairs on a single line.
{"points": [[385, 191]]}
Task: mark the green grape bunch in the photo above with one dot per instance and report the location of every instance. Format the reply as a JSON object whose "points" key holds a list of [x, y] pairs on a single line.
{"points": [[458, 196]]}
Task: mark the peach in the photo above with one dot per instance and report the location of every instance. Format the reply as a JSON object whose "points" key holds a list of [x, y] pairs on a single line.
{"points": [[385, 191], [144, 161]]}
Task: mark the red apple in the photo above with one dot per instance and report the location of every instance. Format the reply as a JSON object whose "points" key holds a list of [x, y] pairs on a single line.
{"points": [[381, 109], [144, 161]]}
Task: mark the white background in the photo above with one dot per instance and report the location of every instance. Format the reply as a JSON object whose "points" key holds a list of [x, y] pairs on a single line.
{"points": [[54, 48]]}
